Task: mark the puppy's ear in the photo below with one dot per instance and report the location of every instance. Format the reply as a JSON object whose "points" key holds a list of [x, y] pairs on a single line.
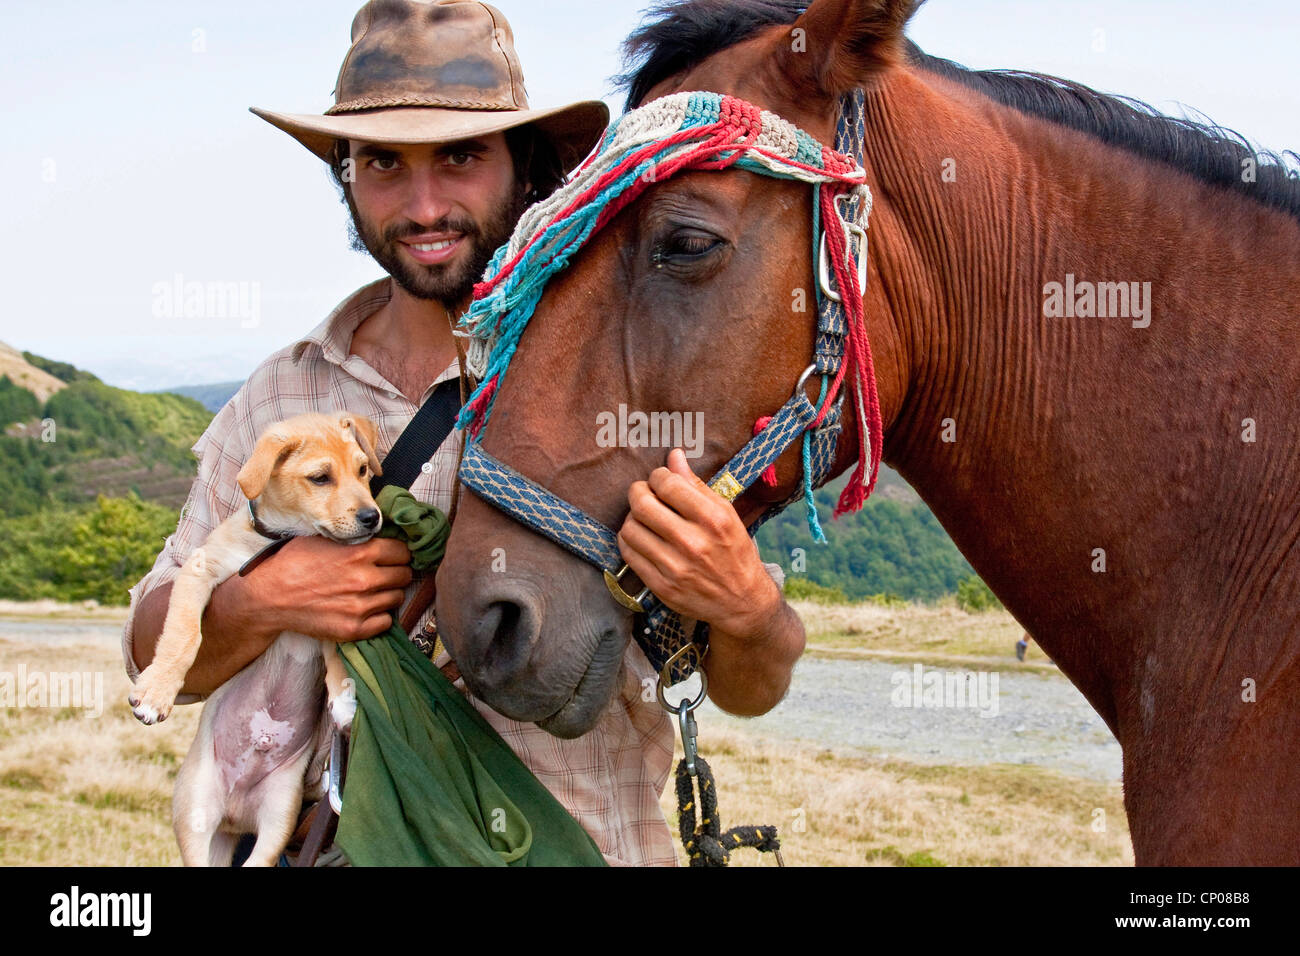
{"points": [[272, 449], [366, 434]]}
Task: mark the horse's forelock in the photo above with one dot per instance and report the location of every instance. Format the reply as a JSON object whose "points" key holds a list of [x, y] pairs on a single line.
{"points": [[679, 34]]}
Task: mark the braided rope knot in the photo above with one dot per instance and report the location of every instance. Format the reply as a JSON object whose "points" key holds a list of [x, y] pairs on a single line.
{"points": [[708, 845], [740, 113]]}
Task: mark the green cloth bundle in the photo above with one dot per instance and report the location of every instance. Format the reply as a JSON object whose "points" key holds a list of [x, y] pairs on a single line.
{"points": [[423, 527], [429, 781]]}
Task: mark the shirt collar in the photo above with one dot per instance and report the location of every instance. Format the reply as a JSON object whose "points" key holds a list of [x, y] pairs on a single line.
{"points": [[334, 336]]}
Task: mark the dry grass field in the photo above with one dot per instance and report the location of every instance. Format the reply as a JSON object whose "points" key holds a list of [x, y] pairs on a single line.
{"points": [[837, 810], [78, 790], [940, 634], [97, 791]]}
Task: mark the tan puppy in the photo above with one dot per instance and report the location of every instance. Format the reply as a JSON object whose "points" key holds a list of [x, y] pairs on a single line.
{"points": [[265, 730]]}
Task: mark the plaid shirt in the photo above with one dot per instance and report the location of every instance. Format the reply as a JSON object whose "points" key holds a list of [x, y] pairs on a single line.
{"points": [[609, 779]]}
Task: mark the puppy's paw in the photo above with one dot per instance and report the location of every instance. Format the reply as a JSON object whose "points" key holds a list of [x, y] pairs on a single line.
{"points": [[344, 707], [153, 696]]}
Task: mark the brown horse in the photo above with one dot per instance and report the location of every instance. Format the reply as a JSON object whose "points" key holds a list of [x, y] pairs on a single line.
{"points": [[1125, 474]]}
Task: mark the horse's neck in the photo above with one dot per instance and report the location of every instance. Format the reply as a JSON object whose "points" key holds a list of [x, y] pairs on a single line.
{"points": [[1048, 444]]}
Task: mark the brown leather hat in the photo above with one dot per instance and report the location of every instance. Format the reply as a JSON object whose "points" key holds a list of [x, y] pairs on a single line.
{"points": [[435, 72]]}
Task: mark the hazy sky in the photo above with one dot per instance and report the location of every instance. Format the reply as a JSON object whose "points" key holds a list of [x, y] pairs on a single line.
{"points": [[131, 158]]}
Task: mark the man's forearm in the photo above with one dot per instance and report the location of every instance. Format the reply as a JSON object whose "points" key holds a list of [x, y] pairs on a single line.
{"points": [[234, 634], [749, 674]]}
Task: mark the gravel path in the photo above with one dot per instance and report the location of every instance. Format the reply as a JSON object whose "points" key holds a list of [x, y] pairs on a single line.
{"points": [[62, 633], [864, 706], [859, 706]]}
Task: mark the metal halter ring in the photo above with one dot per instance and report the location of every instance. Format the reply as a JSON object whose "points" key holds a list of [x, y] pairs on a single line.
{"points": [[798, 386], [665, 682]]}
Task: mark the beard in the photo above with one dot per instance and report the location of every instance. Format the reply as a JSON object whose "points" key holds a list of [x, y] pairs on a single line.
{"points": [[448, 283]]}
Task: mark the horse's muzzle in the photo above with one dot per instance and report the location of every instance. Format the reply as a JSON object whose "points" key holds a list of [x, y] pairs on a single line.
{"points": [[512, 662]]}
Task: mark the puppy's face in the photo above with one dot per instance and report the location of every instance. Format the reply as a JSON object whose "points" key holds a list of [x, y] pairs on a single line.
{"points": [[312, 475]]}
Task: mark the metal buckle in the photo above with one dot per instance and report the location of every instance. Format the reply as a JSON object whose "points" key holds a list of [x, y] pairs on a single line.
{"points": [[727, 486], [335, 772], [851, 230], [667, 669], [621, 596], [798, 386]]}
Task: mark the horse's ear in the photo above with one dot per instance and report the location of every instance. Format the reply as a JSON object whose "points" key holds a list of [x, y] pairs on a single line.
{"points": [[837, 45], [269, 454]]}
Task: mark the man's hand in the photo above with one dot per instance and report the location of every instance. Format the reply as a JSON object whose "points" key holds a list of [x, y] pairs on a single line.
{"points": [[332, 591], [687, 545]]}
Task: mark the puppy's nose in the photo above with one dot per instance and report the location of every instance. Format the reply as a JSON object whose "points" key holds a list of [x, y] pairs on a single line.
{"points": [[369, 518]]}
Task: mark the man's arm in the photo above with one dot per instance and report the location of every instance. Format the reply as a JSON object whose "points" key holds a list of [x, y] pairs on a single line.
{"points": [[691, 549], [313, 586], [355, 600], [750, 663]]}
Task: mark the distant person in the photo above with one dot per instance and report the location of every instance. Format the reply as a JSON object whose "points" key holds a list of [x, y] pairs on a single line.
{"points": [[1022, 645]]}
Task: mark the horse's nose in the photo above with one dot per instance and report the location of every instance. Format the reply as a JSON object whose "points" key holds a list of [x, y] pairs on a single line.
{"points": [[502, 637], [369, 518]]}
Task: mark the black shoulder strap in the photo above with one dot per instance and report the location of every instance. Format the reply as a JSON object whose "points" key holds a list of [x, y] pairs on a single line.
{"points": [[422, 437]]}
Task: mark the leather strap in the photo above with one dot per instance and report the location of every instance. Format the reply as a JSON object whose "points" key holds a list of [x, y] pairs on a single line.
{"points": [[423, 435], [419, 440], [319, 833], [422, 598]]}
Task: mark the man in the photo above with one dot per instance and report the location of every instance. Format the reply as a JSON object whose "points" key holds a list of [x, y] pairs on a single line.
{"points": [[437, 153]]}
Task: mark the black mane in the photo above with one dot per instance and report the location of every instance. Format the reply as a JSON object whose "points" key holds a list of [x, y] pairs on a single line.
{"points": [[678, 34]]}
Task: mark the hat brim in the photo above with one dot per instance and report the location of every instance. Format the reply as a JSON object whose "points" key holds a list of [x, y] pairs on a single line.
{"points": [[574, 129]]}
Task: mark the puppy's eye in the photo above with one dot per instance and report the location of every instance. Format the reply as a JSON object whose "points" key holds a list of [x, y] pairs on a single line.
{"points": [[362, 471], [323, 479]]}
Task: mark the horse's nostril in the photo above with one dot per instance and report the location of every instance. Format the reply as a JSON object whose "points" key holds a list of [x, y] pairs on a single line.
{"points": [[369, 517], [505, 629], [505, 635]]}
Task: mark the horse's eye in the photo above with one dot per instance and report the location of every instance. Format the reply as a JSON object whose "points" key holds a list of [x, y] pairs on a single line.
{"points": [[686, 245]]}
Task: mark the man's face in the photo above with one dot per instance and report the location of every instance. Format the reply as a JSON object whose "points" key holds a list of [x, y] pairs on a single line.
{"points": [[432, 215]]}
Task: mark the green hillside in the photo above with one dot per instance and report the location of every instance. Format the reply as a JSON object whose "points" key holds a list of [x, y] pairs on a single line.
{"points": [[91, 480], [893, 546], [91, 439]]}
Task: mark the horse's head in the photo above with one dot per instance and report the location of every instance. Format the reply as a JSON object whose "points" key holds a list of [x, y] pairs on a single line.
{"points": [[695, 299]]}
